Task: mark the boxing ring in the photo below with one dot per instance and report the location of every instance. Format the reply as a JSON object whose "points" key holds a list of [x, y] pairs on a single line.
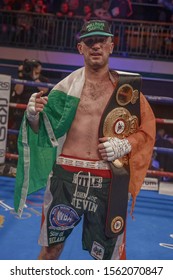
{"points": [[151, 100], [145, 212]]}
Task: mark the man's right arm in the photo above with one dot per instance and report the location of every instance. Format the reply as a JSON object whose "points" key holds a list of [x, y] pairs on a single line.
{"points": [[35, 106]]}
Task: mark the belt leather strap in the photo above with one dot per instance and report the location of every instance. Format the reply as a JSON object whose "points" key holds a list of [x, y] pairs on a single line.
{"points": [[118, 193]]}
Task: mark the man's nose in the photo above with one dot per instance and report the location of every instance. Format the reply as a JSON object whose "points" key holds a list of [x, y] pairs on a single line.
{"points": [[96, 45]]}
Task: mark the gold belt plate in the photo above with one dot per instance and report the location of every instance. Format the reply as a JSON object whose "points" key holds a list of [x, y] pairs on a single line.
{"points": [[120, 123]]}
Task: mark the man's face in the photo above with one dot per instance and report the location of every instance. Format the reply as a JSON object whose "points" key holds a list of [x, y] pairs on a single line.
{"points": [[36, 72], [96, 50], [64, 7]]}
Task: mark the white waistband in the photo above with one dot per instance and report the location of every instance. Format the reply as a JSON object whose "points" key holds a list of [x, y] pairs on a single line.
{"points": [[100, 164]]}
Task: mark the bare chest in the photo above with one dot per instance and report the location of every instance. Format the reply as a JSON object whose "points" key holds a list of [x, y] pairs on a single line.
{"points": [[95, 97]]}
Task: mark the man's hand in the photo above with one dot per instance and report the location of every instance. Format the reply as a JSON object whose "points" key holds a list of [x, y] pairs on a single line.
{"points": [[35, 105], [111, 148]]}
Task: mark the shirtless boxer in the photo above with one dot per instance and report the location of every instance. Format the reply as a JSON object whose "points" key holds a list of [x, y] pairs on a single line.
{"points": [[80, 180]]}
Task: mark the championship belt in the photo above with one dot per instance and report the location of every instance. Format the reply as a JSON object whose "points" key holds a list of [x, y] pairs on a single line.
{"points": [[120, 119], [120, 123]]}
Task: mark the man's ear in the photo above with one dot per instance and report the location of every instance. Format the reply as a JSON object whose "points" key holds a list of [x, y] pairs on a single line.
{"points": [[112, 47], [79, 47]]}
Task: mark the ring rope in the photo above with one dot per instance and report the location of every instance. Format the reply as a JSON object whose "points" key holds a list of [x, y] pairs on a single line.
{"points": [[158, 99], [13, 131], [166, 121], [32, 83], [160, 173], [162, 150], [18, 105], [23, 106], [11, 156]]}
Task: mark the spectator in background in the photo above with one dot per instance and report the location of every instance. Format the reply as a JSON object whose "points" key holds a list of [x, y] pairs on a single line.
{"points": [[87, 13], [6, 5], [76, 7], [161, 134], [165, 160], [5, 25], [24, 24], [167, 10], [167, 4], [64, 10], [27, 6], [40, 7], [121, 9], [17, 4], [103, 12], [29, 70]]}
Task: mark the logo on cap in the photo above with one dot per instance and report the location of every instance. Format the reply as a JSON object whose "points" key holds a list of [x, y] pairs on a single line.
{"points": [[96, 26]]}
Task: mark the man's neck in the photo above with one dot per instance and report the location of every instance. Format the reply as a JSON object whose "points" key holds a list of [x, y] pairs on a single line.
{"points": [[97, 74]]}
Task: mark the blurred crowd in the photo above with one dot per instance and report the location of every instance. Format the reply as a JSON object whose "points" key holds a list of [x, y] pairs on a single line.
{"points": [[70, 8], [104, 9]]}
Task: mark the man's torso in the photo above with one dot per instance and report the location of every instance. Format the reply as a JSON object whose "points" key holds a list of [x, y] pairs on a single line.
{"points": [[82, 138]]}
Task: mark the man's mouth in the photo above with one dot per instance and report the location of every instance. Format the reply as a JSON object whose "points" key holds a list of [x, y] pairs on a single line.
{"points": [[95, 54]]}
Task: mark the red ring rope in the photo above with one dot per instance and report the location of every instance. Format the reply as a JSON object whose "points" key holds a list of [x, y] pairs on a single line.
{"points": [[17, 105], [160, 173], [23, 106], [166, 121]]}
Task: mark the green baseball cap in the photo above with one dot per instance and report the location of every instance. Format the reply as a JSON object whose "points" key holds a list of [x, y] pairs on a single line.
{"points": [[95, 27]]}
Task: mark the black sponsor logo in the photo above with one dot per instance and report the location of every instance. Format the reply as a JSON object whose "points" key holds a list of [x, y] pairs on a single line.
{"points": [[3, 118], [4, 85]]}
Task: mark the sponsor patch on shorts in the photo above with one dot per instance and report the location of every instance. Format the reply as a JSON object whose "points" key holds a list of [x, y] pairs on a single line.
{"points": [[63, 217], [97, 251]]}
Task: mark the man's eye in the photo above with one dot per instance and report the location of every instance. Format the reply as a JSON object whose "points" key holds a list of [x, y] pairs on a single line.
{"points": [[89, 42], [101, 40]]}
